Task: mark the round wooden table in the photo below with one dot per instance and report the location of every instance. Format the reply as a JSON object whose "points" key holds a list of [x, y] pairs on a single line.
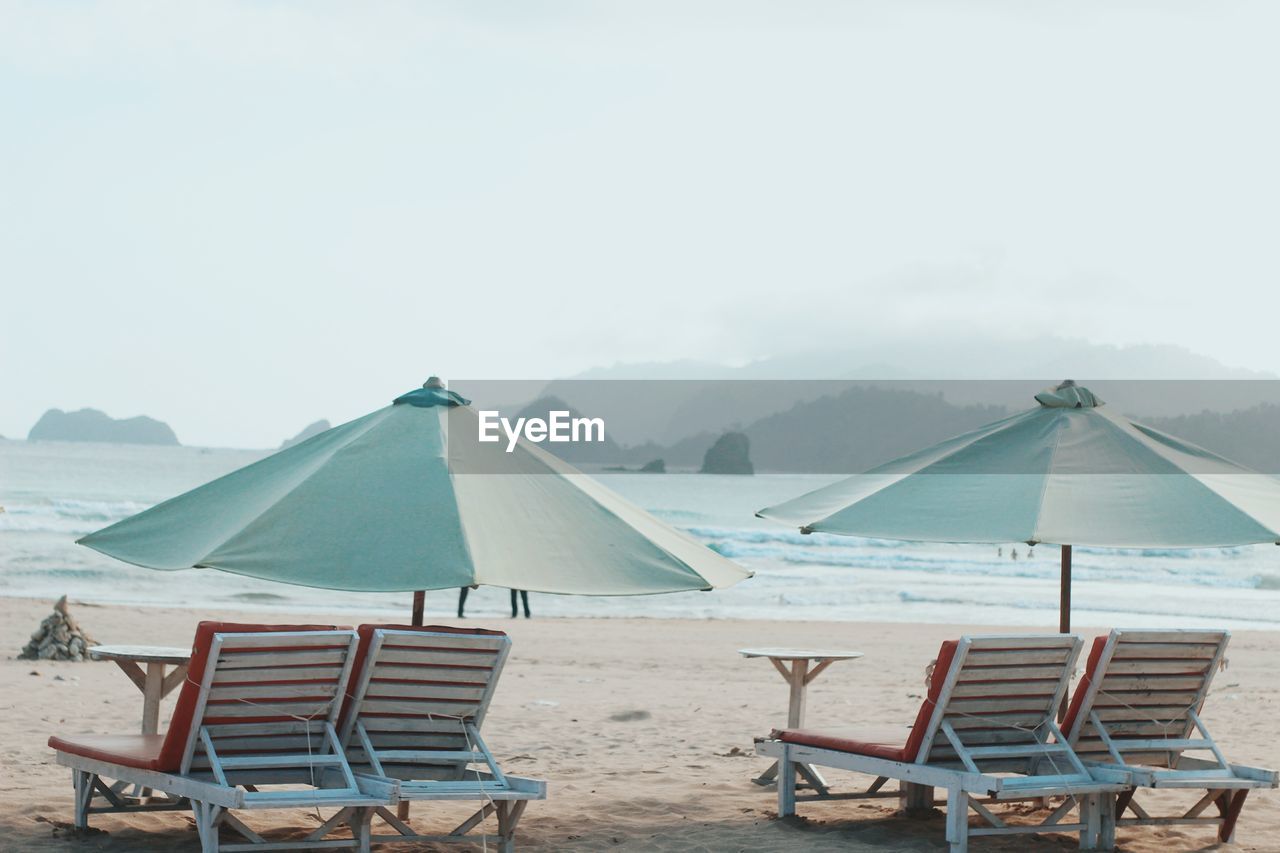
{"points": [[804, 666], [154, 682]]}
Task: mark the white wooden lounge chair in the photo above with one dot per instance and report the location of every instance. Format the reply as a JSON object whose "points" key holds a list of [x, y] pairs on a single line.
{"points": [[1137, 708], [254, 727], [982, 733], [413, 721]]}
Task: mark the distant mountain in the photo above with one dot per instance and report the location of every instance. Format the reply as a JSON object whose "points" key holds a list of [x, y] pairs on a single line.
{"points": [[687, 398], [864, 426], [859, 429], [577, 452], [731, 454], [93, 425], [1248, 436], [311, 429]]}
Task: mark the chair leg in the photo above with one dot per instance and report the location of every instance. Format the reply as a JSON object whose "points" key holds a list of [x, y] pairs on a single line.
{"points": [[82, 784], [206, 815], [1227, 831], [361, 829], [958, 820], [1123, 800], [786, 784], [509, 812], [1091, 807], [915, 799], [1108, 812]]}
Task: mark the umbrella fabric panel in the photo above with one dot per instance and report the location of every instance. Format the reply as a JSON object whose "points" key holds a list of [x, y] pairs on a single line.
{"points": [[380, 515], [944, 508], [1141, 511], [386, 503], [183, 531], [542, 525]]}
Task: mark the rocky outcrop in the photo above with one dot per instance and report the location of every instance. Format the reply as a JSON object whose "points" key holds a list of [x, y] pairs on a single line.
{"points": [[93, 425], [654, 466], [311, 430], [729, 455], [59, 637]]}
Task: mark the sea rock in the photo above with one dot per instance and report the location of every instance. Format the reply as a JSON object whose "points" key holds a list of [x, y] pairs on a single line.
{"points": [[59, 637], [729, 455], [93, 425], [656, 466], [311, 429]]}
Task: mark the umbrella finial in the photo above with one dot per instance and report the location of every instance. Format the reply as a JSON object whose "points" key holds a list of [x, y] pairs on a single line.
{"points": [[1068, 395], [432, 393]]}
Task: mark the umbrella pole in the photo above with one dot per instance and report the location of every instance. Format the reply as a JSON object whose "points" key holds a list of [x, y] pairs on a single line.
{"points": [[419, 605], [1064, 594], [1064, 613]]}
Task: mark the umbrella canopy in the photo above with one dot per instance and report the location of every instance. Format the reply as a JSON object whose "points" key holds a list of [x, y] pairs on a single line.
{"points": [[1069, 471], [388, 503]]}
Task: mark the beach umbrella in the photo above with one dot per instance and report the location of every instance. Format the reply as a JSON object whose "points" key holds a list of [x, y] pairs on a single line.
{"points": [[1070, 471], [407, 498]]}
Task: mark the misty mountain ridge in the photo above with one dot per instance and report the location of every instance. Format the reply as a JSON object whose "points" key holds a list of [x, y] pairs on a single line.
{"points": [[962, 359], [865, 427], [688, 398]]}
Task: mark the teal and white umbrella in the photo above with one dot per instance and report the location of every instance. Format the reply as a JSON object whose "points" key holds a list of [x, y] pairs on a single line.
{"points": [[1069, 472], [388, 502]]}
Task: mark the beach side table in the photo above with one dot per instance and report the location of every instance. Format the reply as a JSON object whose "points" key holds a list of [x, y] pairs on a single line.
{"points": [[154, 682], [805, 666]]}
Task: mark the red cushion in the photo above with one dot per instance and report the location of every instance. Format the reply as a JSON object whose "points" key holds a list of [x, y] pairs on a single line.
{"points": [[879, 749], [366, 638], [141, 751], [1090, 673]]}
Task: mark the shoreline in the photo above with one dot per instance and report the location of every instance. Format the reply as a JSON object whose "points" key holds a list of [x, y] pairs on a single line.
{"points": [[1088, 621], [642, 728]]}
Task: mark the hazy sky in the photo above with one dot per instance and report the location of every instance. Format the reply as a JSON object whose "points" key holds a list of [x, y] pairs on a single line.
{"points": [[240, 217]]}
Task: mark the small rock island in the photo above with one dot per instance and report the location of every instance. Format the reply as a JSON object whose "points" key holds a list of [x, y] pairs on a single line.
{"points": [[729, 455], [93, 425]]}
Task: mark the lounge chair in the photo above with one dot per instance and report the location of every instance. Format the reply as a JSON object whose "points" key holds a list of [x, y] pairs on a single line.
{"points": [[413, 721], [253, 728], [1137, 708], [982, 733]]}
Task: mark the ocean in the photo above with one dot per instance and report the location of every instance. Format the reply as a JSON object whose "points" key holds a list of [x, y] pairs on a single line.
{"points": [[54, 492]]}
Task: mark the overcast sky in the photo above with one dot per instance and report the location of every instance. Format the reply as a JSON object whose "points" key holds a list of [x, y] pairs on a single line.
{"points": [[241, 217]]}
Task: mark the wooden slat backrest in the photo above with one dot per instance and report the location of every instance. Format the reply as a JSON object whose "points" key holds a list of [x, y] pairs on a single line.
{"points": [[1144, 685], [1000, 690], [270, 695], [422, 691]]}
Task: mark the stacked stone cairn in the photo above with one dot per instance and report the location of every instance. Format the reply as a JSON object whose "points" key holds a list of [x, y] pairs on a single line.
{"points": [[59, 637]]}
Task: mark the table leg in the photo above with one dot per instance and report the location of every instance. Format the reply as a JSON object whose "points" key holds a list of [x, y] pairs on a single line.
{"points": [[151, 692], [798, 678], [795, 708]]}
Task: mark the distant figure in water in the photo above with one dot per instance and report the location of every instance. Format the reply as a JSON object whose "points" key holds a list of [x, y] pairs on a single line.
{"points": [[1031, 552], [524, 596], [462, 600], [1013, 553]]}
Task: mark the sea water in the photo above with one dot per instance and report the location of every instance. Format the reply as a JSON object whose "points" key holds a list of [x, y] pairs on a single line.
{"points": [[54, 492]]}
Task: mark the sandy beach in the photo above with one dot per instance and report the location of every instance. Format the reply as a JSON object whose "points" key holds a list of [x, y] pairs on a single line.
{"points": [[643, 729]]}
